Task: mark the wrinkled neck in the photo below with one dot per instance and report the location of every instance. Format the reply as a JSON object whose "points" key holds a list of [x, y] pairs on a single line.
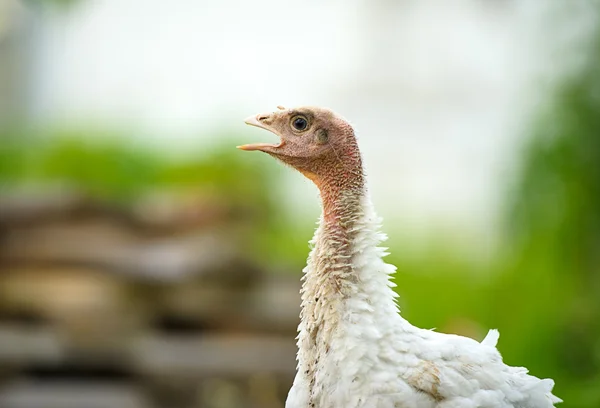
{"points": [[341, 213], [330, 274], [332, 268], [347, 262], [346, 278], [346, 294], [342, 196]]}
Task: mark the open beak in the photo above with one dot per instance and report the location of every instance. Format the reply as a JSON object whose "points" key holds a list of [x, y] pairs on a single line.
{"points": [[258, 121]]}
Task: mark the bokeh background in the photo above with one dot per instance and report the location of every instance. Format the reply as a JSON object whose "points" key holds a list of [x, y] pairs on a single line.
{"points": [[145, 262]]}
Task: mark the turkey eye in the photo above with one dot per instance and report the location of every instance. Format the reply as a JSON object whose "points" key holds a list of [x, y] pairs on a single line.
{"points": [[299, 123]]}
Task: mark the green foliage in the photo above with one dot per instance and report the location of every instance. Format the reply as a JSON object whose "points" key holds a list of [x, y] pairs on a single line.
{"points": [[554, 231], [109, 169], [52, 3]]}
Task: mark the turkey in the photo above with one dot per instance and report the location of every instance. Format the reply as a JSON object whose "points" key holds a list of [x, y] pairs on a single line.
{"points": [[354, 348]]}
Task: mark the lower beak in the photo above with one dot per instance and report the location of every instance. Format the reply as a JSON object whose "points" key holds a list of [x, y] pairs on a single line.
{"points": [[256, 121], [258, 146]]}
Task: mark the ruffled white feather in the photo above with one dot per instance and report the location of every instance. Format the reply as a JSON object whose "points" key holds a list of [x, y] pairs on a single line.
{"points": [[356, 351]]}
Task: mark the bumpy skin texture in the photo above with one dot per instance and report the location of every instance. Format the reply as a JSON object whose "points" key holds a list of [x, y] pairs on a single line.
{"points": [[354, 348]]}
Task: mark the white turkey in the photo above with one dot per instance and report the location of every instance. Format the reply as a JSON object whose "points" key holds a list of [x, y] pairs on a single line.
{"points": [[354, 348]]}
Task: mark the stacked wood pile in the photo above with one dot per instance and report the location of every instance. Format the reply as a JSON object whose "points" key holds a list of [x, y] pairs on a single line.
{"points": [[153, 305]]}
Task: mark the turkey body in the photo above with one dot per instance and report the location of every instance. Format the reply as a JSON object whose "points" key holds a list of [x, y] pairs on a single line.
{"points": [[355, 350]]}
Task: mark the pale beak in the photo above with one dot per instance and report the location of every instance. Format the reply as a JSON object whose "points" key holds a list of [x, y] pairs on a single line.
{"points": [[254, 121], [257, 121]]}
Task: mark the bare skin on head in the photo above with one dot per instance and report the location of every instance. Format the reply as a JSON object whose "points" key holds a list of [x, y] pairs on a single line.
{"points": [[319, 144]]}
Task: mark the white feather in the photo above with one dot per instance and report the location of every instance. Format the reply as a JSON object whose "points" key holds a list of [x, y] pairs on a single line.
{"points": [[491, 339], [356, 351]]}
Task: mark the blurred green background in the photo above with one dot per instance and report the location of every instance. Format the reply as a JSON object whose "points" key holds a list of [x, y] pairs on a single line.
{"points": [[169, 277]]}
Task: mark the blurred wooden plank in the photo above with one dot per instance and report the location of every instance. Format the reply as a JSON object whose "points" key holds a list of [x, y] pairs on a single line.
{"points": [[94, 301], [273, 304], [106, 245], [161, 211], [71, 395], [22, 346], [33, 205], [215, 355], [229, 355]]}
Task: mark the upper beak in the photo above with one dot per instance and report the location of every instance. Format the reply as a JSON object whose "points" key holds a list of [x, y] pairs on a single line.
{"points": [[258, 121], [254, 121]]}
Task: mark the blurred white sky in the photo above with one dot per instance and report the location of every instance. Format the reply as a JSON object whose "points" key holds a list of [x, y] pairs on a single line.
{"points": [[439, 90]]}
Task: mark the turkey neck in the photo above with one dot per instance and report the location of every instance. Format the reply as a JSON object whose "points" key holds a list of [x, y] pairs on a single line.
{"points": [[347, 300], [342, 196], [345, 274]]}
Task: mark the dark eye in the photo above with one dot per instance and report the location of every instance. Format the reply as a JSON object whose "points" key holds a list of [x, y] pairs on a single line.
{"points": [[299, 123]]}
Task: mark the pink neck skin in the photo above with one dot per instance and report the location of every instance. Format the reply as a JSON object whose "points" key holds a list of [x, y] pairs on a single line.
{"points": [[340, 203], [342, 189]]}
